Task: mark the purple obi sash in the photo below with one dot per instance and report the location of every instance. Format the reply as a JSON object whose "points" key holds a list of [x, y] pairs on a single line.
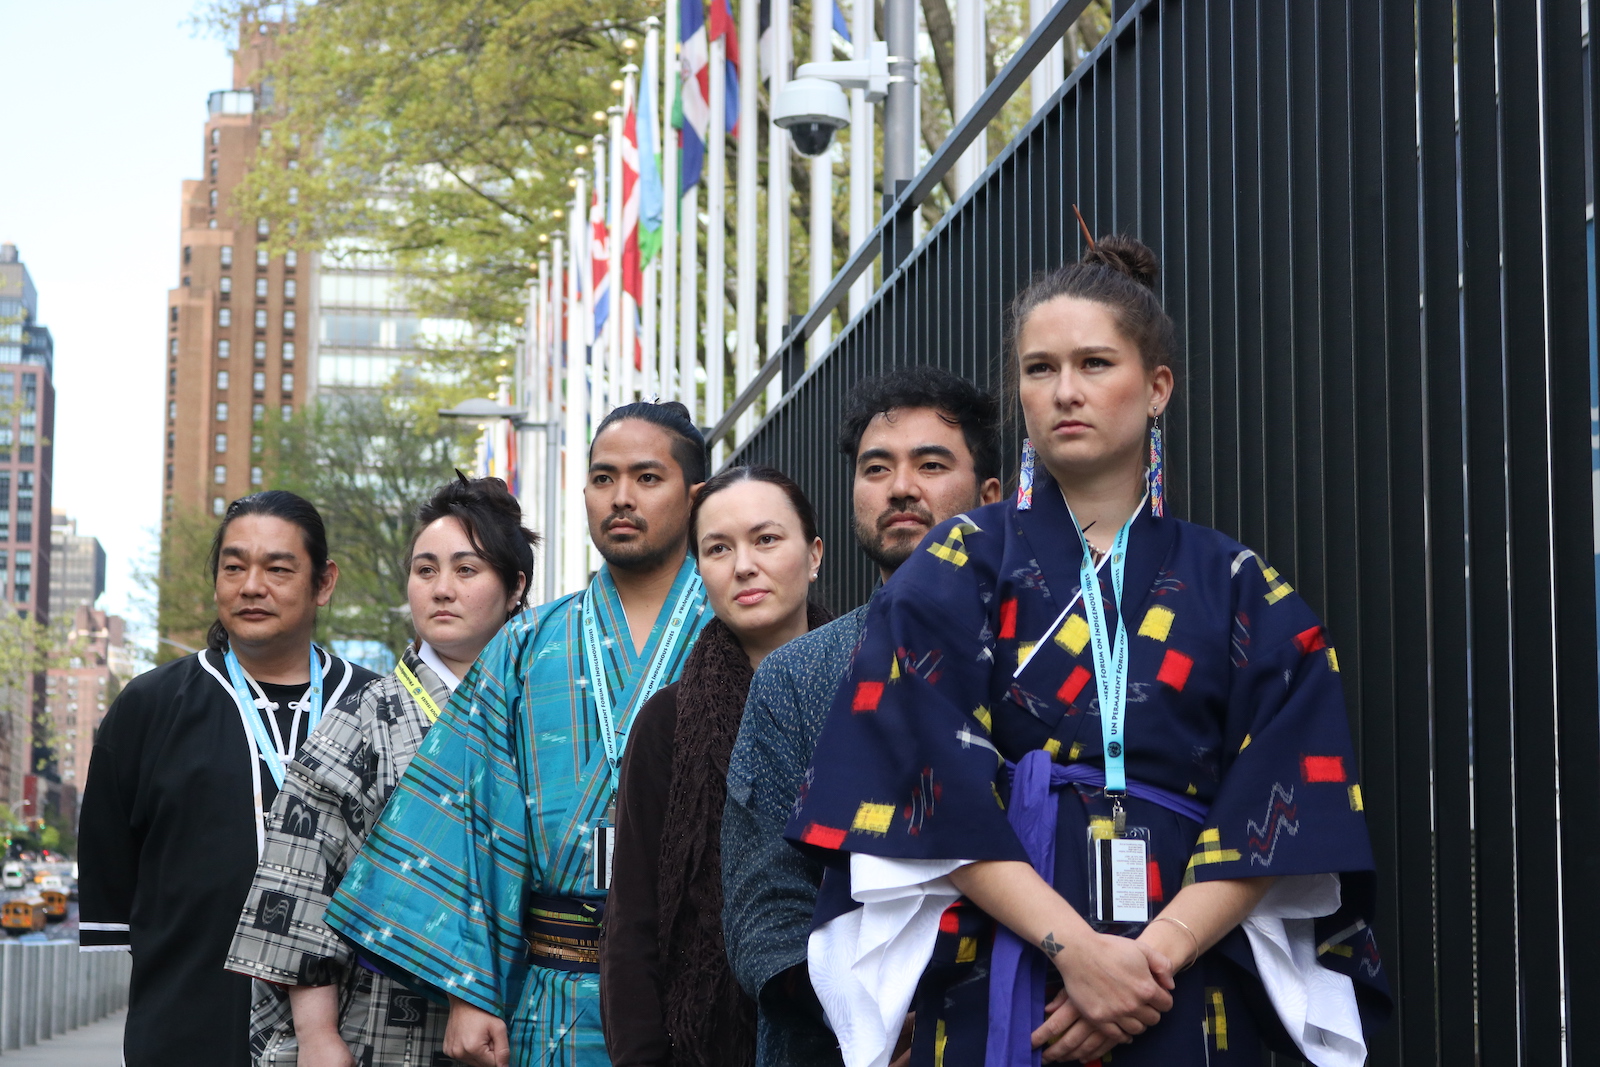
{"points": [[1016, 975]]}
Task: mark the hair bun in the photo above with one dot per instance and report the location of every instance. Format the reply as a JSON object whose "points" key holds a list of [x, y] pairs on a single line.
{"points": [[1126, 255]]}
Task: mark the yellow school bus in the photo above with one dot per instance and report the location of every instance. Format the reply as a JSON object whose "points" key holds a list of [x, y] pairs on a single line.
{"points": [[55, 905], [25, 915]]}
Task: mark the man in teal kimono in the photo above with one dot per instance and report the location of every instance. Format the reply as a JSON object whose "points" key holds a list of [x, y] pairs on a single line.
{"points": [[485, 878]]}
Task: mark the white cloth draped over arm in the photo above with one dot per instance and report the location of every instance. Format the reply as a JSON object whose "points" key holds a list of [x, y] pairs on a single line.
{"points": [[1317, 1006], [865, 964]]}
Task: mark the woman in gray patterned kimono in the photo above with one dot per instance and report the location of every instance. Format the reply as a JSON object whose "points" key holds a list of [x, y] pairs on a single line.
{"points": [[316, 1005]]}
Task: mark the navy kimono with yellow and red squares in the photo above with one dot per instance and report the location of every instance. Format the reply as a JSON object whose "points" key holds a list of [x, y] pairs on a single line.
{"points": [[970, 659]]}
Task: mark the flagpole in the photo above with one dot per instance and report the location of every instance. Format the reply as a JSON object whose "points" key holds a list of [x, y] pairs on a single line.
{"points": [[617, 376], [777, 201], [574, 439], [669, 199], [744, 200], [821, 259], [599, 384], [647, 80], [688, 301], [862, 151], [716, 236], [971, 57]]}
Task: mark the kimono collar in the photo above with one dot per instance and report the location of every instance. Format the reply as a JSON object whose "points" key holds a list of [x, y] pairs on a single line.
{"points": [[423, 661], [615, 621], [1048, 525]]}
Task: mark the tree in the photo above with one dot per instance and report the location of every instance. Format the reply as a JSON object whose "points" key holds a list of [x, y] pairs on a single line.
{"points": [[367, 462]]}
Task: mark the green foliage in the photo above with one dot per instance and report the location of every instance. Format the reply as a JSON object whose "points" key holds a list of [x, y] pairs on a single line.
{"points": [[367, 463], [179, 583]]}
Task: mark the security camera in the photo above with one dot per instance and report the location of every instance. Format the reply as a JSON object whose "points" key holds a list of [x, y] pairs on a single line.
{"points": [[811, 109]]}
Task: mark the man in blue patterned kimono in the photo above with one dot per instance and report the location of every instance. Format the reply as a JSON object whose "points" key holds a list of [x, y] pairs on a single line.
{"points": [[969, 729], [923, 446], [482, 881]]}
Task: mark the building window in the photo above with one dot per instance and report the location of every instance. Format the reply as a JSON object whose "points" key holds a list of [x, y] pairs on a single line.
{"points": [[213, 170], [288, 384], [261, 227], [225, 317], [288, 320], [288, 288], [172, 440], [294, 195], [224, 348], [227, 255], [222, 381], [172, 313], [255, 444], [172, 378], [261, 288], [225, 285], [30, 391], [216, 136], [24, 574], [261, 259], [24, 509], [218, 506], [213, 200], [290, 260], [258, 381], [222, 411], [286, 412], [172, 410], [219, 474], [255, 475], [222, 443], [188, 254], [288, 351], [261, 318], [172, 347], [266, 137], [257, 413]]}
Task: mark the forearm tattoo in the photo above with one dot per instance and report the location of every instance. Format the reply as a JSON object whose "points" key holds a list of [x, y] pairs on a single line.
{"points": [[1050, 945]]}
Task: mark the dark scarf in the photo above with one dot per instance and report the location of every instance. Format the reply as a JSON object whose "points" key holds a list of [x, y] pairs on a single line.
{"points": [[710, 1020]]}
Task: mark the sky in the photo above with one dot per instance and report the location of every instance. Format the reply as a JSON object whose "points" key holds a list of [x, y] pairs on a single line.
{"points": [[104, 106]]}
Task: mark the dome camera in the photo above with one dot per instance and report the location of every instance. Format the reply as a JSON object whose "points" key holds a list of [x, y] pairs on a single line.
{"points": [[811, 109]]}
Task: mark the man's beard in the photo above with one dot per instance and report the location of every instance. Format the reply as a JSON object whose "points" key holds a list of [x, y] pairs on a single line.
{"points": [[639, 554], [888, 552]]}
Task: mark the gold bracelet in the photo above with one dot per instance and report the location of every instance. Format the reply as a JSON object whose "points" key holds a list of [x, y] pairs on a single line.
{"points": [[1185, 927]]}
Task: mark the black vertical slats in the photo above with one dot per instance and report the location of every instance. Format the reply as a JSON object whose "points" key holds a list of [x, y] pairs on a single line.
{"points": [[1371, 223]]}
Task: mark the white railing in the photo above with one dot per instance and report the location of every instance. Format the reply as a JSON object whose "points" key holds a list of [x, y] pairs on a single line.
{"points": [[49, 987]]}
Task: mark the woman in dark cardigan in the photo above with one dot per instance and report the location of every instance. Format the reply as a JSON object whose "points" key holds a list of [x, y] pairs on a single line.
{"points": [[667, 994]]}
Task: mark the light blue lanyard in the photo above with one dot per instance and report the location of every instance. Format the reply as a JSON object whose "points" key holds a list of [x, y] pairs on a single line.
{"points": [[653, 677], [1110, 657], [266, 746]]}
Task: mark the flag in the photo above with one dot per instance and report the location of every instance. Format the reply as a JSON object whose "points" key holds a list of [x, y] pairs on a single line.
{"points": [[650, 192], [693, 111], [599, 253], [841, 26], [722, 25]]}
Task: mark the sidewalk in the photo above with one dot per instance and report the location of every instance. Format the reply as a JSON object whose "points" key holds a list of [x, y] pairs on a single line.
{"points": [[96, 1045]]}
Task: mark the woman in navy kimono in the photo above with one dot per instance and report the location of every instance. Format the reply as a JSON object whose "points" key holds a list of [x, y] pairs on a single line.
{"points": [[1117, 818]]}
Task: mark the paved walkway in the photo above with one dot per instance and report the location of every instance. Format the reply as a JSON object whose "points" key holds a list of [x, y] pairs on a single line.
{"points": [[96, 1045]]}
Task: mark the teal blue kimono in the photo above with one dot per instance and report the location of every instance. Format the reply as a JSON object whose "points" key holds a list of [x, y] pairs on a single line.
{"points": [[496, 808]]}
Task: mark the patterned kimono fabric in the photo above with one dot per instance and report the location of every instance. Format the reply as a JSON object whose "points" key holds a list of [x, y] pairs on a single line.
{"points": [[491, 828], [971, 662], [332, 796]]}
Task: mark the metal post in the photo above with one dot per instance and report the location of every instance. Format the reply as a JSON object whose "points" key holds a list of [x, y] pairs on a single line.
{"points": [[777, 200], [900, 118], [862, 154], [9, 994], [821, 223], [716, 232]]}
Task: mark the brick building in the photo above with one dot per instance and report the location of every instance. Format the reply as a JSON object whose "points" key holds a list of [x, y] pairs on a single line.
{"points": [[238, 321], [78, 695]]}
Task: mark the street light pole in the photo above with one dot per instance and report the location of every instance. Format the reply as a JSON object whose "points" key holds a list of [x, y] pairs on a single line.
{"points": [[899, 120]]}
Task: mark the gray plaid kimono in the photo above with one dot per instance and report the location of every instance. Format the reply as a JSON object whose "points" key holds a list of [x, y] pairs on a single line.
{"points": [[331, 797]]}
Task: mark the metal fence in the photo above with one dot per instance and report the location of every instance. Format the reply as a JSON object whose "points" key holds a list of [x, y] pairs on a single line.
{"points": [[50, 987], [1372, 221]]}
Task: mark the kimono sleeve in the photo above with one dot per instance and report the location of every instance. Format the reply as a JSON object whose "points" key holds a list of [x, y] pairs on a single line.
{"points": [[435, 897], [313, 833], [905, 768], [108, 843], [1290, 802]]}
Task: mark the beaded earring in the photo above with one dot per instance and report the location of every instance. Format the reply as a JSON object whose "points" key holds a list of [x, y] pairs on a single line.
{"points": [[1025, 479], [1158, 486]]}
